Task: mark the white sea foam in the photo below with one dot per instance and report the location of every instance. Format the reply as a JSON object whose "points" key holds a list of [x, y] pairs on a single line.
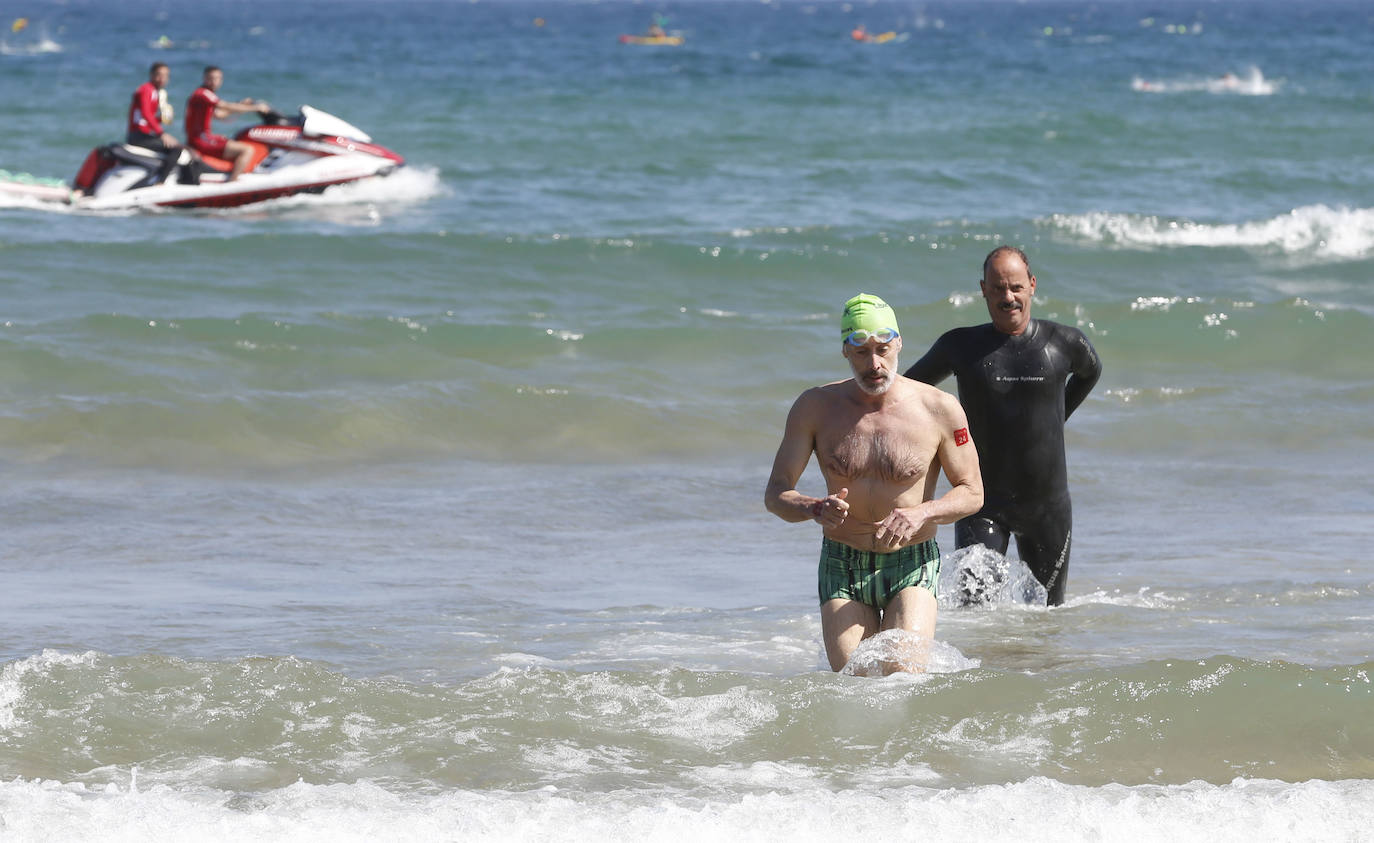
{"points": [[359, 203], [407, 186], [1032, 810], [989, 738], [564, 758], [790, 776], [1251, 83], [36, 47], [710, 720], [713, 720], [14, 675], [1313, 230], [19, 200], [1144, 598]]}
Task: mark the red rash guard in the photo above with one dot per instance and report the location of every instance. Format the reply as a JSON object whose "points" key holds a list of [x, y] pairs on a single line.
{"points": [[143, 111], [200, 111]]}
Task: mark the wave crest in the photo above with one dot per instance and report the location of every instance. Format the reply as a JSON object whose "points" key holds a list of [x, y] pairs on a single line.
{"points": [[1251, 84], [1313, 230]]}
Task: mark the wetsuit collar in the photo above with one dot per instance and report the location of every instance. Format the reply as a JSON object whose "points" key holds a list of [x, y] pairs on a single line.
{"points": [[1032, 328]]}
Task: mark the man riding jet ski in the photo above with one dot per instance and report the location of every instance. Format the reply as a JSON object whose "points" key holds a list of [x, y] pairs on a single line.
{"points": [[304, 153]]}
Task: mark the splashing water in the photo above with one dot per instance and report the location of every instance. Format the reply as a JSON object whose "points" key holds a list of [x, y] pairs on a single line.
{"points": [[900, 652], [980, 576]]}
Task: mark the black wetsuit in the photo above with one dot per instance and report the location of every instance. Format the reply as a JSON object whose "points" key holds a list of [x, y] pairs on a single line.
{"points": [[1017, 392]]}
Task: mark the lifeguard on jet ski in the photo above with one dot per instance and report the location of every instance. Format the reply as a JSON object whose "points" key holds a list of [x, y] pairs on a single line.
{"points": [[305, 153]]}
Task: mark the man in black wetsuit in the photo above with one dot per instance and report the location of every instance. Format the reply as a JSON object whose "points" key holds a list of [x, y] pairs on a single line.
{"points": [[1019, 380]]}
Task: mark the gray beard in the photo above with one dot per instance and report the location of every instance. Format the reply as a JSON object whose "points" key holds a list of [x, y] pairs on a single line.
{"points": [[879, 389]]}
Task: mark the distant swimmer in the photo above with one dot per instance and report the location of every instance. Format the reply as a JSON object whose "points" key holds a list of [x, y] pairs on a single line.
{"points": [[203, 106], [658, 29], [881, 441], [1019, 380]]}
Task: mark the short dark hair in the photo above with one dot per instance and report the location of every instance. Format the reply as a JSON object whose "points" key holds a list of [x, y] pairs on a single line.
{"points": [[210, 68], [155, 66], [1005, 250]]}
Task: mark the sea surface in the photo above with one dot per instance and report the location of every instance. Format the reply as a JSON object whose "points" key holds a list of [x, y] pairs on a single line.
{"points": [[431, 509]]}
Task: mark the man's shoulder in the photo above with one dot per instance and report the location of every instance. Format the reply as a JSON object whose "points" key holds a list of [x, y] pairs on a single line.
{"points": [[1059, 332], [204, 94], [826, 392], [818, 403], [955, 334], [958, 343], [1057, 327], [930, 396]]}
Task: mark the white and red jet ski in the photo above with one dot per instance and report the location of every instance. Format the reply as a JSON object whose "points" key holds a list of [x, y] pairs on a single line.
{"points": [[302, 154]]}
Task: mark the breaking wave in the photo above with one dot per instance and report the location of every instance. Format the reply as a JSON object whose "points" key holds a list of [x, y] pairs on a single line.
{"points": [[1314, 230], [1251, 84]]}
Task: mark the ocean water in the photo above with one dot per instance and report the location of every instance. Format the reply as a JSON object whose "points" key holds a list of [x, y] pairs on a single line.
{"points": [[432, 508]]}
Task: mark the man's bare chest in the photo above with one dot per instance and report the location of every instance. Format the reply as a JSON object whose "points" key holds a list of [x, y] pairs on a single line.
{"points": [[891, 449]]}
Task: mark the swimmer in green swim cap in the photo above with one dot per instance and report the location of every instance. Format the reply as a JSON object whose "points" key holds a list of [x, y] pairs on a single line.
{"points": [[880, 440], [867, 316]]}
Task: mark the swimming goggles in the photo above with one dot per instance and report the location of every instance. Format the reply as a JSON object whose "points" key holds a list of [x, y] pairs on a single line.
{"points": [[882, 335]]}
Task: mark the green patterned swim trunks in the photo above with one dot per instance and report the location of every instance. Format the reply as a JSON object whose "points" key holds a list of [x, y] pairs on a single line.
{"points": [[875, 578]]}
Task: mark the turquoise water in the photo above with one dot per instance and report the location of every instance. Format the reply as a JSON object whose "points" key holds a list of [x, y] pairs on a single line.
{"points": [[431, 507]]}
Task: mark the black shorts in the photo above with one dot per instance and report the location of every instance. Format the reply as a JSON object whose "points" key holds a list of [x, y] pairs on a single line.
{"points": [[153, 142]]}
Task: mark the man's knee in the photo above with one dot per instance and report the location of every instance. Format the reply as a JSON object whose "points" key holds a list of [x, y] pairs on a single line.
{"points": [[1048, 560], [913, 609], [844, 623]]}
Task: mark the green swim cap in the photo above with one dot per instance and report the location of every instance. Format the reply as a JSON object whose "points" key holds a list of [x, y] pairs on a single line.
{"points": [[866, 312]]}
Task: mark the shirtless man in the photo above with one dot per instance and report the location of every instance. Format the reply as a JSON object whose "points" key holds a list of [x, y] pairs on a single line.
{"points": [[205, 104], [1019, 380], [881, 441]]}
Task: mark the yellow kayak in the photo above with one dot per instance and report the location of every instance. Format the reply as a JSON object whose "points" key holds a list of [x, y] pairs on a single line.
{"points": [[652, 40], [863, 36]]}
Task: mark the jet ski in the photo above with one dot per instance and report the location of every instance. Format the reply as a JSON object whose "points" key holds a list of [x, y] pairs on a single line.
{"points": [[304, 153]]}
